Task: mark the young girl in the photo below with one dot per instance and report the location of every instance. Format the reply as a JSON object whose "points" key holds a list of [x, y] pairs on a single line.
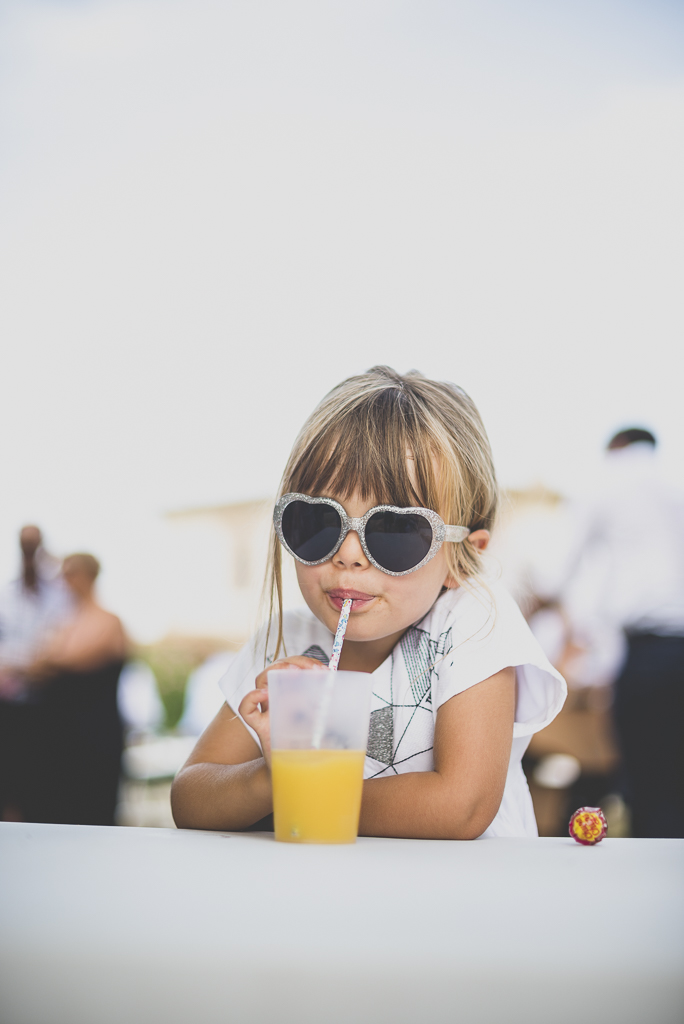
{"points": [[459, 682]]}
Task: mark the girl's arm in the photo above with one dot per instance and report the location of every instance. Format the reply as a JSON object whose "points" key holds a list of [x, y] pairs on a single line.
{"points": [[226, 782], [460, 798]]}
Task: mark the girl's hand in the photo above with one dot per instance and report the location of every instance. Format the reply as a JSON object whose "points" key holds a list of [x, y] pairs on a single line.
{"points": [[254, 705]]}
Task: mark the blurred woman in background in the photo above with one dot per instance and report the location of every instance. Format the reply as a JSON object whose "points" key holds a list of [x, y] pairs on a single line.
{"points": [[32, 607], [77, 757]]}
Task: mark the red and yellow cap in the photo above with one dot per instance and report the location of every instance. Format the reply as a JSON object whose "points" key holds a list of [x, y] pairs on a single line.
{"points": [[588, 826]]}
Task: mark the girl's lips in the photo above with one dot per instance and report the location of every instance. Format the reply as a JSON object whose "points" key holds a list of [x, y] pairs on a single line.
{"points": [[358, 599]]}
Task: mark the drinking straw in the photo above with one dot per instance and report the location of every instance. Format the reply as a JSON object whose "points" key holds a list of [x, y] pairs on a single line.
{"points": [[339, 635], [322, 716]]}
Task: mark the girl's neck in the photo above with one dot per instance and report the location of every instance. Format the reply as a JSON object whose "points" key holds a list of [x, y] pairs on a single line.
{"points": [[367, 655]]}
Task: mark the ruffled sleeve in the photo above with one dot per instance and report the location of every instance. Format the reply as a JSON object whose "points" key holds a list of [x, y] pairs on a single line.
{"points": [[489, 633]]}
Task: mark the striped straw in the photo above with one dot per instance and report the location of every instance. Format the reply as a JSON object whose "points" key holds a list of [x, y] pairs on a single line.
{"points": [[339, 635], [322, 716]]}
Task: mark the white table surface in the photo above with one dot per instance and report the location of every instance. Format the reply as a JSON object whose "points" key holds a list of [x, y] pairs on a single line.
{"points": [[101, 925]]}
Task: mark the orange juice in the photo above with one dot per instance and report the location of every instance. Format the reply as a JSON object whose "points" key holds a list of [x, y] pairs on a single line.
{"points": [[317, 795]]}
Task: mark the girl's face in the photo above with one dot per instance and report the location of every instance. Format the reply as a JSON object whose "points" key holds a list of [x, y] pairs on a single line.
{"points": [[383, 605]]}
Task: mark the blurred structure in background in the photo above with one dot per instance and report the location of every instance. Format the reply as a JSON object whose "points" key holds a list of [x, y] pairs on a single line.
{"points": [[203, 698], [140, 707], [220, 556], [153, 757]]}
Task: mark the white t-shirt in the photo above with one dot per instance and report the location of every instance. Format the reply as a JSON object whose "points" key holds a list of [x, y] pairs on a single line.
{"points": [[617, 575], [467, 636]]}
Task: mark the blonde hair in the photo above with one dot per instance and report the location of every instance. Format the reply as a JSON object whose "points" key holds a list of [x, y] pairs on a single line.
{"points": [[362, 437]]}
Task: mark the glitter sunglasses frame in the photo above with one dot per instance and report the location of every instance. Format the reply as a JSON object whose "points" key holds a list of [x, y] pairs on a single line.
{"points": [[441, 532]]}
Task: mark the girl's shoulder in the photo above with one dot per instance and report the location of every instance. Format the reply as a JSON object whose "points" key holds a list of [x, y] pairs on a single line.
{"points": [[478, 631], [474, 611]]}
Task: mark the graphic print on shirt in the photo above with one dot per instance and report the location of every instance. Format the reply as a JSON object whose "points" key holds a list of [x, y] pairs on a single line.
{"points": [[318, 653], [419, 653]]}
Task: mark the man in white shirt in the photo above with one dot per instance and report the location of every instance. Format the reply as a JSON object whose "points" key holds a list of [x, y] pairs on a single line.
{"points": [[629, 576], [30, 608]]}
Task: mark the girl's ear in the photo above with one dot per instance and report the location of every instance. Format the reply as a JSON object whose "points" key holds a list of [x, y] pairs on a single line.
{"points": [[479, 539]]}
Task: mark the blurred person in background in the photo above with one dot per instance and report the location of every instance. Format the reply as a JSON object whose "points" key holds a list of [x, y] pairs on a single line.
{"points": [[30, 608], [78, 747], [628, 578]]}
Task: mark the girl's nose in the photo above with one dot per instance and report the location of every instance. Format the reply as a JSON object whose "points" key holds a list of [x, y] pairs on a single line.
{"points": [[350, 553]]}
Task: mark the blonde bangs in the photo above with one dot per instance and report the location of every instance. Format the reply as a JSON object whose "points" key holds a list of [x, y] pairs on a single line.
{"points": [[366, 452]]}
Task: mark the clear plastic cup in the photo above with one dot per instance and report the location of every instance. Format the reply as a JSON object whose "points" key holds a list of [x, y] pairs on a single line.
{"points": [[319, 731]]}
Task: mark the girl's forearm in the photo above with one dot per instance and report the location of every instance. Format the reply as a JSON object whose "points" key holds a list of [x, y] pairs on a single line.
{"points": [[417, 805], [423, 805], [224, 797]]}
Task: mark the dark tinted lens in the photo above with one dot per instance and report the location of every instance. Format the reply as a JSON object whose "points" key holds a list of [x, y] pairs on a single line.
{"points": [[311, 531], [398, 542]]}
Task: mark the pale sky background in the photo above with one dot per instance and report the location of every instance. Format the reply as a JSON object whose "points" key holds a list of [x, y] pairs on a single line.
{"points": [[213, 211]]}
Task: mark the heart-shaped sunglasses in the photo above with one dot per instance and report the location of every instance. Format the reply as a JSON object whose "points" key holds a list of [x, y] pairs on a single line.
{"points": [[395, 540]]}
